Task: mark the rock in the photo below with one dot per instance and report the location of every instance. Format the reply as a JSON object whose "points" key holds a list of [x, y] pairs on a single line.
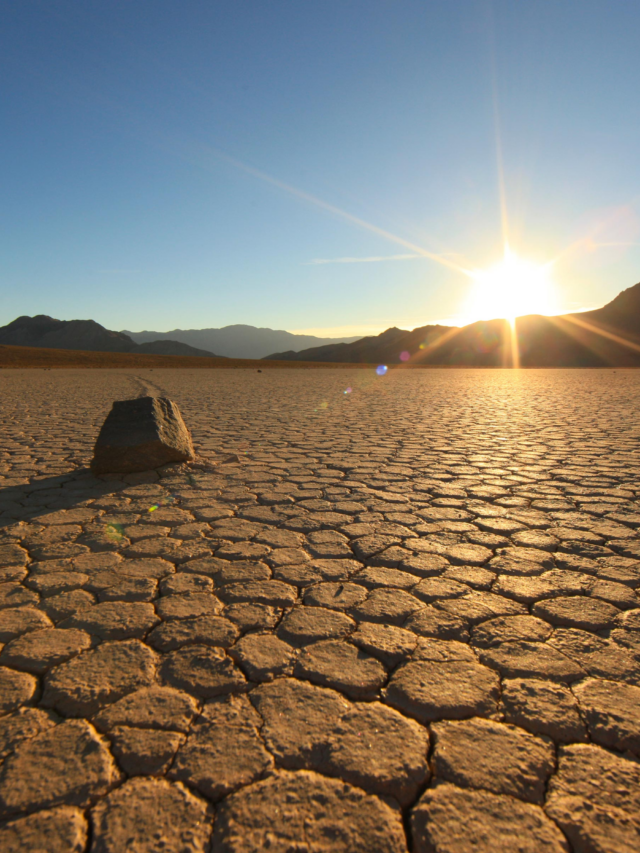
{"points": [[18, 620], [386, 642], [262, 656], [224, 750], [61, 830], [612, 712], [22, 725], [494, 756], [144, 752], [68, 764], [16, 688], [379, 750], [150, 707], [37, 651], [205, 671], [148, 815], [338, 664], [208, 630], [430, 690], [80, 687], [308, 624], [595, 799], [544, 708], [141, 434], [448, 819], [303, 810]]}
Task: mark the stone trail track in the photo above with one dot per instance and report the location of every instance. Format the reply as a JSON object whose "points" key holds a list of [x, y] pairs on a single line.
{"points": [[403, 616]]}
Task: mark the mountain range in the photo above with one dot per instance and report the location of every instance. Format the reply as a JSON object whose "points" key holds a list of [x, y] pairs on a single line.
{"points": [[240, 341], [43, 331], [608, 336], [602, 337]]}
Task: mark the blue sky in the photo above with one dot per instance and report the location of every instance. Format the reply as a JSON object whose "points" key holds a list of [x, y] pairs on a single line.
{"points": [[188, 164]]}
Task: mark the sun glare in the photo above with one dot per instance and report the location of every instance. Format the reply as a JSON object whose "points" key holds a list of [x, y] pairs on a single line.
{"points": [[510, 289]]}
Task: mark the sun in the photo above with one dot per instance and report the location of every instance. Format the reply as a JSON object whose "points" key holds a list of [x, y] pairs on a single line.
{"points": [[511, 288]]}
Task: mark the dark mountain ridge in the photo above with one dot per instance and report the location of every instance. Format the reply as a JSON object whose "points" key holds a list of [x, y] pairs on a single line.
{"points": [[607, 336], [87, 335], [239, 340]]}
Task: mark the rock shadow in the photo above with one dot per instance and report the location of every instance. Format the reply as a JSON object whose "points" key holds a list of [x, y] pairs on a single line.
{"points": [[41, 495]]}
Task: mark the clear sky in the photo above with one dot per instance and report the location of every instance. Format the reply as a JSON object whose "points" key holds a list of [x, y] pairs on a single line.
{"points": [[326, 165]]}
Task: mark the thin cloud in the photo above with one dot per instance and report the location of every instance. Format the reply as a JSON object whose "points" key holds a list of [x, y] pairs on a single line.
{"points": [[372, 260]]}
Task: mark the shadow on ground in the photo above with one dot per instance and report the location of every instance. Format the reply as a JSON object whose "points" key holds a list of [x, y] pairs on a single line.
{"points": [[43, 495]]}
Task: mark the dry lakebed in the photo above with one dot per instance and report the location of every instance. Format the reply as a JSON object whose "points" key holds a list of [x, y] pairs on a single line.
{"points": [[378, 613]]}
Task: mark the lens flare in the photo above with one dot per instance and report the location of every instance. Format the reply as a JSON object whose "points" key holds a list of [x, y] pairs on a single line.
{"points": [[381, 369]]}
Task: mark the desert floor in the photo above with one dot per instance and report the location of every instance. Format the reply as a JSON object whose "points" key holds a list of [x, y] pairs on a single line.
{"points": [[388, 613]]}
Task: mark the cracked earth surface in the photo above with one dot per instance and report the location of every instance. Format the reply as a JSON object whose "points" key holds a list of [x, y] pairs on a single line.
{"points": [[400, 617]]}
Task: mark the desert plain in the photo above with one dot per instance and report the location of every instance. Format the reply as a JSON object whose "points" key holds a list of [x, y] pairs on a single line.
{"points": [[379, 613]]}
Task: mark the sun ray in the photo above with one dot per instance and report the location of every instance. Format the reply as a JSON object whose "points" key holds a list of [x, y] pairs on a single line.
{"points": [[598, 330], [511, 288]]}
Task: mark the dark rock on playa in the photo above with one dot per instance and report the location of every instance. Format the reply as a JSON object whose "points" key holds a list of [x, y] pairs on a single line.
{"points": [[141, 434]]}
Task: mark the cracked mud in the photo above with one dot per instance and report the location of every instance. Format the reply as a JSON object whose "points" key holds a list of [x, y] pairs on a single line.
{"points": [[402, 618]]}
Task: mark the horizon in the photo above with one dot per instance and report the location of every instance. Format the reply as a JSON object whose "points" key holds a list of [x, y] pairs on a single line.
{"points": [[320, 333], [333, 171]]}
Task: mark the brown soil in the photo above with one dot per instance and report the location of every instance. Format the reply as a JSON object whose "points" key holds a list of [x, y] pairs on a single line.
{"points": [[39, 357]]}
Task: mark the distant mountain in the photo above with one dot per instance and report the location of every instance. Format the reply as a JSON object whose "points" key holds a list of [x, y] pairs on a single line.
{"points": [[87, 335], [239, 341], [384, 348], [167, 347], [608, 336]]}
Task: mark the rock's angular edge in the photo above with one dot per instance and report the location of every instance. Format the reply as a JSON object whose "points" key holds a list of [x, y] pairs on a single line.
{"points": [[141, 434]]}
